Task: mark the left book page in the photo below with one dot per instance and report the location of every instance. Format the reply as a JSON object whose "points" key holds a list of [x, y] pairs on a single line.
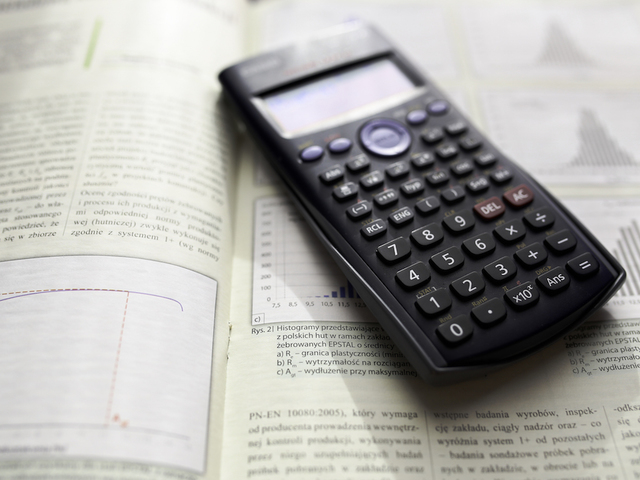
{"points": [[115, 237]]}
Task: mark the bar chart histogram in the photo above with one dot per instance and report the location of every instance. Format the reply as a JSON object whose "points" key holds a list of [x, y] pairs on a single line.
{"points": [[294, 278], [615, 222]]}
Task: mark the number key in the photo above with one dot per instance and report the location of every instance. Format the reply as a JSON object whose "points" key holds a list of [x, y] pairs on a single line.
{"points": [[501, 270], [448, 259], [479, 246], [468, 286], [413, 276], [456, 330], [395, 250], [434, 303], [428, 235], [460, 222]]}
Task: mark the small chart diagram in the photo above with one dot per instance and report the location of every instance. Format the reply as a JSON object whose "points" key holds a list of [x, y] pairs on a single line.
{"points": [[553, 41], [597, 147], [616, 223], [627, 250], [294, 278], [559, 49], [105, 357], [568, 137]]}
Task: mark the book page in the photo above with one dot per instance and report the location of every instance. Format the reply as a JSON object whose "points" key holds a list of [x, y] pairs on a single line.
{"points": [[115, 169], [318, 390]]}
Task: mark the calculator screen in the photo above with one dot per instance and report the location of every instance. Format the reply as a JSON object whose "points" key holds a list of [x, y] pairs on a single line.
{"points": [[338, 95]]}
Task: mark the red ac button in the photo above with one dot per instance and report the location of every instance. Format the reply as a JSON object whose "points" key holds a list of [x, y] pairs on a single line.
{"points": [[519, 196]]}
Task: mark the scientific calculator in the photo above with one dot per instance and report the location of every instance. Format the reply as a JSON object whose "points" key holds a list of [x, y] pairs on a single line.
{"points": [[465, 260]]}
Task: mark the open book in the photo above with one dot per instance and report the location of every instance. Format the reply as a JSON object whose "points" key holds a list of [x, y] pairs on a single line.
{"points": [[165, 313]]}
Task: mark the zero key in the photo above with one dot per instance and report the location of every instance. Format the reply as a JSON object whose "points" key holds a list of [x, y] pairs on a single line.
{"points": [[455, 330]]}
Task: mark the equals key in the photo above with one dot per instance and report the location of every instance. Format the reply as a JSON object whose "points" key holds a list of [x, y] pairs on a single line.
{"points": [[583, 265]]}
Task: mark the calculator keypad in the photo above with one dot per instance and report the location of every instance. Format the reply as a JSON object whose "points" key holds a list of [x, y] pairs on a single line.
{"points": [[464, 240], [464, 259]]}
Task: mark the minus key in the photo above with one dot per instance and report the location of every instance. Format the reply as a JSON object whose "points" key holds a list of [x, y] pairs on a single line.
{"points": [[561, 242]]}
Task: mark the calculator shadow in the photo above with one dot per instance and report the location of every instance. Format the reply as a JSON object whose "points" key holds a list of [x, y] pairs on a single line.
{"points": [[586, 367]]}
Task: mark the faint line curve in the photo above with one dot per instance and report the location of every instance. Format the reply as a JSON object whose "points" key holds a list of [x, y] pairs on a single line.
{"points": [[28, 293]]}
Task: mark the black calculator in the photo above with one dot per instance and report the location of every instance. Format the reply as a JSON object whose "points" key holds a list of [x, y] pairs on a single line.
{"points": [[464, 259]]}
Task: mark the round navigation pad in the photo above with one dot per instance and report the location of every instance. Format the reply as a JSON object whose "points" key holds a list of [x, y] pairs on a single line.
{"points": [[386, 138]]}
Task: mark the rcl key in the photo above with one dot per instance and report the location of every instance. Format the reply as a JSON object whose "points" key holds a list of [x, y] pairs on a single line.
{"points": [[522, 296]]}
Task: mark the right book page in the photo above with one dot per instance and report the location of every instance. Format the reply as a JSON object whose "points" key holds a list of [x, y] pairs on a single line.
{"points": [[316, 389]]}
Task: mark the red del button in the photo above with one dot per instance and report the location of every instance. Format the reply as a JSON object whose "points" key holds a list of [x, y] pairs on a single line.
{"points": [[489, 209]]}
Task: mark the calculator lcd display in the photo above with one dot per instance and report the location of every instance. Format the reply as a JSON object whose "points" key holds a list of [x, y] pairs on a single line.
{"points": [[336, 96]]}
